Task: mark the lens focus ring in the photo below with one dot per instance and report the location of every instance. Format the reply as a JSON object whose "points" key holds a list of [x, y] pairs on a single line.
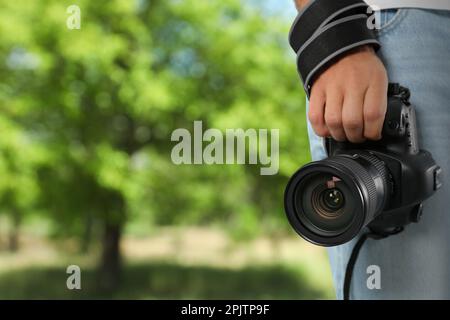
{"points": [[372, 173], [379, 165]]}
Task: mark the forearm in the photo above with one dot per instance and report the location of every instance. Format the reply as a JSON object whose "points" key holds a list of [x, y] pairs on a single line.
{"points": [[348, 100], [300, 3]]}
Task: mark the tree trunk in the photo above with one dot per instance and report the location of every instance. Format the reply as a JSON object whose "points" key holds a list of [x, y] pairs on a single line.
{"points": [[110, 268], [13, 237], [87, 235]]}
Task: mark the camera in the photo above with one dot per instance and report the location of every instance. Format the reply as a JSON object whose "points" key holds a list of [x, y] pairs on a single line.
{"points": [[380, 185]]}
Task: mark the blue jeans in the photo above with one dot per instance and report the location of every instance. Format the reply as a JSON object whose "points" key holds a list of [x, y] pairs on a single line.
{"points": [[414, 264]]}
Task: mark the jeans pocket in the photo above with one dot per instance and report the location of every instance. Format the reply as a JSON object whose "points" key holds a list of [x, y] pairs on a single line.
{"points": [[388, 19]]}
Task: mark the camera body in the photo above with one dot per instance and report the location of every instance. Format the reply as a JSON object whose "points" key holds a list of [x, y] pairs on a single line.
{"points": [[376, 184]]}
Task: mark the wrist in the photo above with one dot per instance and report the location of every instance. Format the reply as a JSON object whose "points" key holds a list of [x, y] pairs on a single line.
{"points": [[367, 49], [301, 3]]}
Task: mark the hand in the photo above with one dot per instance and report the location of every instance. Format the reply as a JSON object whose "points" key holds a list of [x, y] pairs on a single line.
{"points": [[348, 100], [301, 3]]}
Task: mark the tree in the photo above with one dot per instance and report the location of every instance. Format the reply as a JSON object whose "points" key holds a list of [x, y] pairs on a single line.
{"points": [[103, 100]]}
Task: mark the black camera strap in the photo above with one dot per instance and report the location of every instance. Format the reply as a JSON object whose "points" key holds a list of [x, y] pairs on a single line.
{"points": [[318, 14], [325, 30], [355, 252]]}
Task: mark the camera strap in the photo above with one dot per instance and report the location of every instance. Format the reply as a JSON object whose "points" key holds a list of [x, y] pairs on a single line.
{"points": [[325, 30], [355, 252]]}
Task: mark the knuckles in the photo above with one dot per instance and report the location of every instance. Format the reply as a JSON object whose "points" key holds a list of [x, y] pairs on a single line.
{"points": [[373, 114], [352, 123], [321, 131], [333, 120], [315, 117]]}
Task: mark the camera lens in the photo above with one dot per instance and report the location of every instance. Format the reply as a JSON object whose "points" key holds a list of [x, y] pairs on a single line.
{"points": [[332, 199], [328, 202], [320, 200]]}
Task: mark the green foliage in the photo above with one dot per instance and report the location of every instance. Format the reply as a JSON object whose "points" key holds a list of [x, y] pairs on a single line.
{"points": [[86, 115]]}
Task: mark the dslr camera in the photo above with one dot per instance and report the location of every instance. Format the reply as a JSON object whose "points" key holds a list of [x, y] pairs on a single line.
{"points": [[376, 184]]}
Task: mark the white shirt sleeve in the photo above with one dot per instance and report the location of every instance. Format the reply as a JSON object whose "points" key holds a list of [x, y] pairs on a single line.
{"points": [[424, 4]]}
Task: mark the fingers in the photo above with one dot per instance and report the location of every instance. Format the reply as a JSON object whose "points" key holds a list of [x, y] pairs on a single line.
{"points": [[353, 116], [356, 116], [375, 105], [316, 112], [333, 114], [349, 99]]}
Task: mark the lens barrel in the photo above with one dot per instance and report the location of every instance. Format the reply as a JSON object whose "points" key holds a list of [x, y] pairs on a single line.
{"points": [[328, 202]]}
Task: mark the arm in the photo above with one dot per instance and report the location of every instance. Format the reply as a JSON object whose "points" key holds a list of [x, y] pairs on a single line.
{"points": [[300, 3], [348, 101]]}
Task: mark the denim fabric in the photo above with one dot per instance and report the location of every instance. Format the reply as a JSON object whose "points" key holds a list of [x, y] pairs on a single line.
{"points": [[416, 263]]}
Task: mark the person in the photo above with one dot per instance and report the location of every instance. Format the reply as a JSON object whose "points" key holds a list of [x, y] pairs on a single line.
{"points": [[348, 102]]}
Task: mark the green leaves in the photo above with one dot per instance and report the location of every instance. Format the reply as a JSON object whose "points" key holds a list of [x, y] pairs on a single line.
{"points": [[86, 131]]}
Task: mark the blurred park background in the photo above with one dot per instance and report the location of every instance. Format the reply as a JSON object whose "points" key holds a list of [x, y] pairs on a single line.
{"points": [[86, 176]]}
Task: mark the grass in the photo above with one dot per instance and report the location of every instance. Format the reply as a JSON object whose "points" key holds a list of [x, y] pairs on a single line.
{"points": [[172, 264], [164, 281]]}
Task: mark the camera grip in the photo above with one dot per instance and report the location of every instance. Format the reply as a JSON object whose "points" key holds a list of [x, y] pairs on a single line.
{"points": [[399, 129], [400, 126]]}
